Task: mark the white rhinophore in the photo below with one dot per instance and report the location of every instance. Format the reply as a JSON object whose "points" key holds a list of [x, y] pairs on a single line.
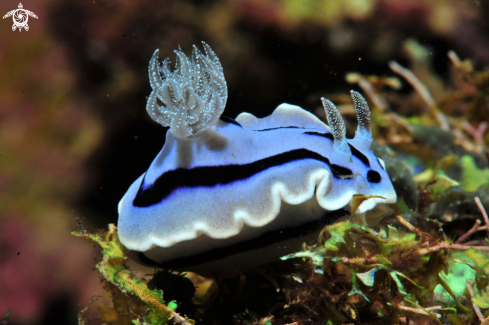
{"points": [[337, 125], [363, 136]]}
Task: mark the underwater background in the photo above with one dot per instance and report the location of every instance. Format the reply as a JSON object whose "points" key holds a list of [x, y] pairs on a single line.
{"points": [[74, 132]]}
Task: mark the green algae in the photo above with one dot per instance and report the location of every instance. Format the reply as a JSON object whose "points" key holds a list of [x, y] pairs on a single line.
{"points": [[393, 266], [416, 273], [473, 177], [113, 269]]}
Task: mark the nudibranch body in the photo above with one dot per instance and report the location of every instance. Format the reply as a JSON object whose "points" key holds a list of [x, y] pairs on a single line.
{"points": [[225, 195]]}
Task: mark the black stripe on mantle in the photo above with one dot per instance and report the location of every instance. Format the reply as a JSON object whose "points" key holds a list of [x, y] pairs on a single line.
{"points": [[266, 239], [210, 176], [229, 120], [354, 151]]}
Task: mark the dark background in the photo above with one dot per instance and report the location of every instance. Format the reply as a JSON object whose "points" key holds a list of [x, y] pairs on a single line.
{"points": [[74, 133]]}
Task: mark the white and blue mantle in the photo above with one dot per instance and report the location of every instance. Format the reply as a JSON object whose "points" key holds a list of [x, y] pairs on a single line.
{"points": [[246, 190]]}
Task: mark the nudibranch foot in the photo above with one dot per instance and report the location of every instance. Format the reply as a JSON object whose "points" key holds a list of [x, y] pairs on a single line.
{"points": [[225, 195], [229, 257]]}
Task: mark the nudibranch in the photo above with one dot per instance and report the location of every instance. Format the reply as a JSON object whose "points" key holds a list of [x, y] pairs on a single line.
{"points": [[225, 195]]}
